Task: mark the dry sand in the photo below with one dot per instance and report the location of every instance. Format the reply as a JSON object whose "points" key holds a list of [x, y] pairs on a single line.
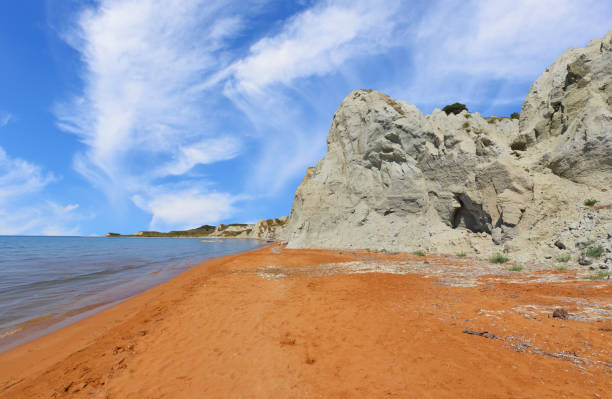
{"points": [[272, 324]]}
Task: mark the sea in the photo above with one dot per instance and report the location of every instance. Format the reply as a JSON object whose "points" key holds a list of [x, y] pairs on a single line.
{"points": [[49, 282]]}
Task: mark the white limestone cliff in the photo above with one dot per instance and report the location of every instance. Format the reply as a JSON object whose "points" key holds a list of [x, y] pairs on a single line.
{"points": [[396, 179]]}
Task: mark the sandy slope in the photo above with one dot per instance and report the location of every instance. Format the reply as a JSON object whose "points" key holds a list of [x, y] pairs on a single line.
{"points": [[230, 329]]}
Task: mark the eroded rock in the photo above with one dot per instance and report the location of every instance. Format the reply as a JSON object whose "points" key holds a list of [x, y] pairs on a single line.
{"points": [[565, 120], [396, 179]]}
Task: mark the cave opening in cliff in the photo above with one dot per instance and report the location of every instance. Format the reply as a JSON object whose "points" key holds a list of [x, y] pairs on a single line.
{"points": [[470, 215]]}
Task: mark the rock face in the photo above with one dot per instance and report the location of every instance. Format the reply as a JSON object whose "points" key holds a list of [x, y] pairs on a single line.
{"points": [[568, 113], [396, 179], [268, 229]]}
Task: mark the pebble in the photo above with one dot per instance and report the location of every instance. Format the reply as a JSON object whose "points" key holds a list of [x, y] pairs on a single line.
{"points": [[559, 244]]}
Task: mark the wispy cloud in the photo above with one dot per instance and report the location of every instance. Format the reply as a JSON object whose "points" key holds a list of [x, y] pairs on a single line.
{"points": [[142, 58], [316, 42], [188, 207], [169, 89], [21, 211], [462, 49], [313, 44], [45, 218], [204, 152], [19, 177], [483, 53], [5, 118], [147, 110], [143, 114]]}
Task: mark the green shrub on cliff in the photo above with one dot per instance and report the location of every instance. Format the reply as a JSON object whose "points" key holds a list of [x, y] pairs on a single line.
{"points": [[455, 108]]}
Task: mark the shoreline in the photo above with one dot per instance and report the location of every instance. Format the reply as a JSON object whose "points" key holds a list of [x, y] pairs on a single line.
{"points": [[45, 324], [273, 322]]}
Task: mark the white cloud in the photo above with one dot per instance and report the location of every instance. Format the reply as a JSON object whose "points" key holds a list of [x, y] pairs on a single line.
{"points": [[186, 208], [64, 209], [450, 50], [46, 218], [5, 118], [158, 75], [147, 109], [19, 177], [460, 48], [143, 114], [142, 58], [317, 41], [21, 211], [204, 152]]}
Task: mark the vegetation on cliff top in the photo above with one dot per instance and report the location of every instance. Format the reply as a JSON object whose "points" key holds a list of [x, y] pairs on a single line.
{"points": [[455, 108], [201, 231]]}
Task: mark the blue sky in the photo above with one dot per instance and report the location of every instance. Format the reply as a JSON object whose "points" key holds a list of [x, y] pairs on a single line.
{"points": [[131, 115]]}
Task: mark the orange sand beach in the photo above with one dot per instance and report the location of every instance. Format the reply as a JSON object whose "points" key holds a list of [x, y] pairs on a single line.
{"points": [[279, 323]]}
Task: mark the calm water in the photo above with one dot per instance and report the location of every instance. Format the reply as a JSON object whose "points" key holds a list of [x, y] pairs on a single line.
{"points": [[43, 279]]}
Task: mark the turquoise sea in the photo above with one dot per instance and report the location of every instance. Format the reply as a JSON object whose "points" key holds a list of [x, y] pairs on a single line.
{"points": [[48, 282]]}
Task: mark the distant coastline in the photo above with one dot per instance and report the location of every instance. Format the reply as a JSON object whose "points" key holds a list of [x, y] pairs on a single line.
{"points": [[267, 230], [200, 232]]}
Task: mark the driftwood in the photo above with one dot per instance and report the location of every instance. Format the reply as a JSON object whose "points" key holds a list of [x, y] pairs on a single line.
{"points": [[523, 347]]}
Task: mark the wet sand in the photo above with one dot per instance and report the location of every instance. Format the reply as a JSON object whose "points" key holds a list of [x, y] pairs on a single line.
{"points": [[307, 323]]}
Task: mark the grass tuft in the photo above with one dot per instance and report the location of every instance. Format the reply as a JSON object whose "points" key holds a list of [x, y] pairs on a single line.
{"points": [[498, 258], [598, 276], [515, 268], [560, 268], [590, 202], [419, 253], [461, 254], [564, 258], [594, 252]]}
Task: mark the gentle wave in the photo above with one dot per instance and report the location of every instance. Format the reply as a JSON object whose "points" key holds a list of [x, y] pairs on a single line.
{"points": [[51, 278], [82, 277], [25, 324]]}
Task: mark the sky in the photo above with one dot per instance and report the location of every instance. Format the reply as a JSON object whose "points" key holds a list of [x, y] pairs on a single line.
{"points": [[128, 115]]}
